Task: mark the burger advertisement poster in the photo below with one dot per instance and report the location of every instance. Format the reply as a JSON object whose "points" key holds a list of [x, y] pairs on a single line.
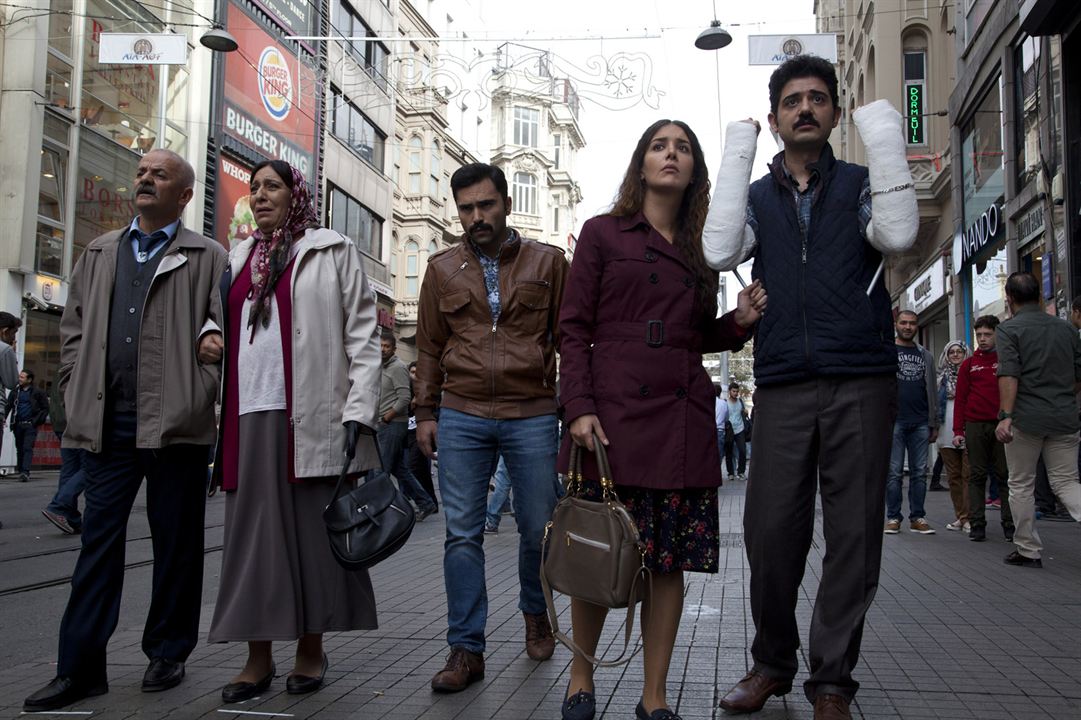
{"points": [[269, 100], [234, 220]]}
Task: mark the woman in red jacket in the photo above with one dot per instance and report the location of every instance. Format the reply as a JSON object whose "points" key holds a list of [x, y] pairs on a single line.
{"points": [[638, 312]]}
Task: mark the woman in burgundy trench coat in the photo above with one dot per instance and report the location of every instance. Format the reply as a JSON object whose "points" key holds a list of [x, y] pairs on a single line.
{"points": [[637, 314]]}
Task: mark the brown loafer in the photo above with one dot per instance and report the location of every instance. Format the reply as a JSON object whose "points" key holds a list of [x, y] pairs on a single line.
{"points": [[752, 692], [539, 641], [462, 669], [831, 707]]}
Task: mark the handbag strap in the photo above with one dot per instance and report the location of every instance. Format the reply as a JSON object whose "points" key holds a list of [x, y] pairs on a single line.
{"points": [[553, 620], [349, 461]]}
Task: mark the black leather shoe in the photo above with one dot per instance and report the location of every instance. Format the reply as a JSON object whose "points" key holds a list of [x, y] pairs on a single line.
{"points": [[977, 535], [62, 691], [162, 674], [582, 705], [240, 691], [658, 714], [1016, 558], [302, 684]]}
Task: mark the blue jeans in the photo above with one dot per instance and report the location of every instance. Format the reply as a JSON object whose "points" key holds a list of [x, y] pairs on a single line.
{"points": [[910, 438], [391, 439], [72, 479], [499, 496], [469, 448]]}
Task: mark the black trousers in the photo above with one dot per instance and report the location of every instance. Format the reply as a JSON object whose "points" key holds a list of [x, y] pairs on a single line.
{"points": [[420, 465], [739, 442], [176, 503], [833, 432], [26, 434]]}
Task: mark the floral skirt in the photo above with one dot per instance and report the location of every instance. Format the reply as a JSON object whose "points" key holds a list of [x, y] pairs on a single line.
{"points": [[679, 527]]}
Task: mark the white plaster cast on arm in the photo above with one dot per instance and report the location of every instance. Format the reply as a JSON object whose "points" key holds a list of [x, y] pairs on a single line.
{"points": [[895, 218], [727, 240]]}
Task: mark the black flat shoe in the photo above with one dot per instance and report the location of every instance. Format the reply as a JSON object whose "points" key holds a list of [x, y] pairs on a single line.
{"points": [[60, 692], [302, 684], [658, 714], [582, 705], [1016, 558], [162, 674], [240, 691]]}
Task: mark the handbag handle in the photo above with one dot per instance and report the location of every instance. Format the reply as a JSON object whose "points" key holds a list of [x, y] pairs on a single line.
{"points": [[574, 471], [349, 461]]}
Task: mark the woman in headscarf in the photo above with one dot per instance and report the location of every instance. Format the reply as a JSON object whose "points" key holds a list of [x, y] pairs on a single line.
{"points": [[954, 459], [301, 381]]}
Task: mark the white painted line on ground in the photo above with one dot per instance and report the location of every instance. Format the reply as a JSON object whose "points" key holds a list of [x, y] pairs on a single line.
{"points": [[253, 712]]}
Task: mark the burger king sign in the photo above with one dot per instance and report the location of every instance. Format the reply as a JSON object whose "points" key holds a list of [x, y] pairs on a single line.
{"points": [[275, 83]]}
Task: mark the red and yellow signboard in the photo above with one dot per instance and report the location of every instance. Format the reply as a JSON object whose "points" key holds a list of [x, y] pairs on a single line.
{"points": [[269, 101], [234, 221]]}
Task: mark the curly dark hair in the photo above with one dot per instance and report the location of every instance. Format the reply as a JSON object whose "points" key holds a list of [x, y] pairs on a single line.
{"points": [[692, 210], [802, 66]]}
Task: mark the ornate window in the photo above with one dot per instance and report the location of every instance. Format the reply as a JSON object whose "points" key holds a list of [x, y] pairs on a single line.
{"points": [[524, 194]]}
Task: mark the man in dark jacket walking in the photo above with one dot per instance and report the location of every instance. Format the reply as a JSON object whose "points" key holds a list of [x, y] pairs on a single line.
{"points": [[27, 410], [825, 370]]}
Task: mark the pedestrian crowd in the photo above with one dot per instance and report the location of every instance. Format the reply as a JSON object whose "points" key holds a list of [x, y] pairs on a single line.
{"points": [[162, 324]]}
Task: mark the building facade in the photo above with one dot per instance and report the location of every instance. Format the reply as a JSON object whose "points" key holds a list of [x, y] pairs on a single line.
{"points": [[903, 51], [1011, 211], [535, 141], [425, 155]]}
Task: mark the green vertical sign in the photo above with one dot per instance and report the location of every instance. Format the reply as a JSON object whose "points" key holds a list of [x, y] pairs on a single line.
{"points": [[914, 95]]}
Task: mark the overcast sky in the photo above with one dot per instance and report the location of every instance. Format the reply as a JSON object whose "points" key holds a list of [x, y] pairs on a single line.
{"points": [[685, 76]]}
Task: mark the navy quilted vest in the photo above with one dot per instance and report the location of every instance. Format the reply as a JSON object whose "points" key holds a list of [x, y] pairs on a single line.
{"points": [[820, 320]]}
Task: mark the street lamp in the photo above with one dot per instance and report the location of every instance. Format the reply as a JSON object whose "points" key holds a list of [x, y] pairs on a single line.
{"points": [[714, 37], [218, 39]]}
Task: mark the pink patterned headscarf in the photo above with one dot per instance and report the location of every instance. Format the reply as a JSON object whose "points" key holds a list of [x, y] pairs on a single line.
{"points": [[272, 253]]}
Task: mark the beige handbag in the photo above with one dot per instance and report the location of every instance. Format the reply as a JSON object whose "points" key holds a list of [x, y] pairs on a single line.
{"points": [[592, 552]]}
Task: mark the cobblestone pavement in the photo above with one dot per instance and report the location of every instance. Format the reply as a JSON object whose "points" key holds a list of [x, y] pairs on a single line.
{"points": [[953, 633]]}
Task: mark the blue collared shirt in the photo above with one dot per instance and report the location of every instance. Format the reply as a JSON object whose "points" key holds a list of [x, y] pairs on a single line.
{"points": [[490, 266], [134, 232]]}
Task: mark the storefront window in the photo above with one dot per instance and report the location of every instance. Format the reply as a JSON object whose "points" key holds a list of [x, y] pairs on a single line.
{"points": [[988, 286], [41, 346], [103, 199], [120, 101], [49, 249], [982, 162], [51, 188], [1026, 82]]}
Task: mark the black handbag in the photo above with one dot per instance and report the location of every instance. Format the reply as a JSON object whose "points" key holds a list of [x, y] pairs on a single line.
{"points": [[368, 524]]}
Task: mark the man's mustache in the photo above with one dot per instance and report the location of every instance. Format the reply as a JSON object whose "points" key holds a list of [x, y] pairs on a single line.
{"points": [[806, 121], [479, 227], [147, 188]]}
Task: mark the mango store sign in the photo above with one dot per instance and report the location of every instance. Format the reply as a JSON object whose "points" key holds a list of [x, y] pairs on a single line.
{"points": [[928, 287], [987, 229]]}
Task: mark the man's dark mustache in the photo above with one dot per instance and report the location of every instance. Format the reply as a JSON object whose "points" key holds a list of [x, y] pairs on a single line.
{"points": [[806, 121], [478, 227], [144, 188]]}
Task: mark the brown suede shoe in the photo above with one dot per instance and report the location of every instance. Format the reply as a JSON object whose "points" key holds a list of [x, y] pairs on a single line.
{"points": [[831, 707], [539, 641], [462, 669], [752, 692]]}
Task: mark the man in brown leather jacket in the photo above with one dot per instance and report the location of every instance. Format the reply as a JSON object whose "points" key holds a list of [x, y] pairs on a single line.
{"points": [[486, 336]]}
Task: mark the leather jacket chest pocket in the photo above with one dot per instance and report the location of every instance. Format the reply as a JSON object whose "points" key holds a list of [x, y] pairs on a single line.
{"points": [[455, 307], [533, 298]]}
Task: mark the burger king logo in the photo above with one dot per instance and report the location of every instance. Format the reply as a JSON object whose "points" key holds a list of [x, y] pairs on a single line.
{"points": [[275, 83]]}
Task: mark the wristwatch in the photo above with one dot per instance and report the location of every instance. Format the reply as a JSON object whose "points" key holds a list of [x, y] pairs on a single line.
{"points": [[1003, 415]]}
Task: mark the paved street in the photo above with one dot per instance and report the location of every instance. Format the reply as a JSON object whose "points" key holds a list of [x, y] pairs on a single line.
{"points": [[954, 633]]}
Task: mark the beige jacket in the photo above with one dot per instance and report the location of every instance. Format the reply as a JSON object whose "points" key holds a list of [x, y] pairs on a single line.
{"points": [[176, 391], [336, 358]]}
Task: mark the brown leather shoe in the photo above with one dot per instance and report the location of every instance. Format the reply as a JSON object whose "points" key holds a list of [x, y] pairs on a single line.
{"points": [[831, 707], [539, 641], [462, 669], [752, 692]]}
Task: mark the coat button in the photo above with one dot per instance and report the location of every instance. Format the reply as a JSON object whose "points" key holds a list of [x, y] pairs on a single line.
{"points": [[653, 278], [99, 396], [681, 393], [651, 257], [688, 281], [643, 390]]}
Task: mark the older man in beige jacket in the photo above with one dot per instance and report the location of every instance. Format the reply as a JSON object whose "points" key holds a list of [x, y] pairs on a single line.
{"points": [[142, 404]]}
